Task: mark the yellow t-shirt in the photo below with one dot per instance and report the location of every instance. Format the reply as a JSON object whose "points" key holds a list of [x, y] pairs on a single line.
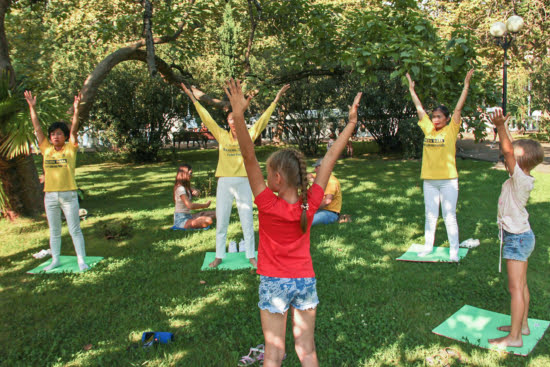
{"points": [[59, 166], [438, 155], [333, 188], [230, 160]]}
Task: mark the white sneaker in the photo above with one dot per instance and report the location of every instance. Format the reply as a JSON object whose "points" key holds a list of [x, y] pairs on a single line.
{"points": [[42, 254], [454, 258], [426, 251], [469, 243], [242, 247], [232, 247]]}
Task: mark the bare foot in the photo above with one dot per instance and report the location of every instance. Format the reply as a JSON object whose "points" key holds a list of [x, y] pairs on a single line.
{"points": [[253, 262], [507, 341], [508, 328], [214, 264], [55, 263]]}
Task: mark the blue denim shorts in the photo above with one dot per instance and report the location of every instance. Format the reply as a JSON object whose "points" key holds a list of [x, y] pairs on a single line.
{"points": [[278, 294], [518, 246], [180, 219]]}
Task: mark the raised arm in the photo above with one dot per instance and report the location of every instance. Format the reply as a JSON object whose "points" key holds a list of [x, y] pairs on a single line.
{"points": [[463, 96], [262, 122], [205, 117], [500, 121], [239, 104], [75, 123], [34, 116], [334, 152], [189, 93], [419, 109], [281, 92]]}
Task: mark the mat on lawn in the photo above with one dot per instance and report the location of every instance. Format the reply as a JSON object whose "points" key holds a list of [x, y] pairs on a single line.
{"points": [[439, 254], [68, 264], [476, 326], [232, 261]]}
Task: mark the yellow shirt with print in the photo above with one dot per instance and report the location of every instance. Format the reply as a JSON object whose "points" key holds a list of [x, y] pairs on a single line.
{"points": [[333, 188], [439, 152], [230, 160], [59, 166]]}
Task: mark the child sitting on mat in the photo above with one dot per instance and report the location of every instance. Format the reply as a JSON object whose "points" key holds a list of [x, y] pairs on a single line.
{"points": [[183, 196], [59, 182], [284, 260], [517, 240]]}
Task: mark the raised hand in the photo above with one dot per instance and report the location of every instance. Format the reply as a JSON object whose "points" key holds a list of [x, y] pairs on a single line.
{"points": [[281, 92], [30, 99], [188, 92], [498, 118], [468, 76], [234, 92], [411, 82], [207, 204], [77, 100], [354, 107]]}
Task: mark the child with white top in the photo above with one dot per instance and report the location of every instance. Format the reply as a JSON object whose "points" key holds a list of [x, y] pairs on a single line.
{"points": [[183, 198], [517, 238]]}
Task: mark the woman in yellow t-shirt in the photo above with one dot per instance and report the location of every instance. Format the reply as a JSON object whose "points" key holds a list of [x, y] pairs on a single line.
{"points": [[439, 167], [59, 184], [232, 179]]}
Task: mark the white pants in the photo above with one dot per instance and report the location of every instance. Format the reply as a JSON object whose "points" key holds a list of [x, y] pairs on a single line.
{"points": [[446, 192], [237, 188], [67, 201]]}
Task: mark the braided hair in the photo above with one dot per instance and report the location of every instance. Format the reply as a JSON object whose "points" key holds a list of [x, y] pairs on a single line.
{"points": [[291, 164]]}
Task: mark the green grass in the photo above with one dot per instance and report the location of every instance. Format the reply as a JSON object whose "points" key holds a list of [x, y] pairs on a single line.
{"points": [[374, 310]]}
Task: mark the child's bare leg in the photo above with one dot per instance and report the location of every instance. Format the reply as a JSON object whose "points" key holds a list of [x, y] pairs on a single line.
{"points": [[303, 327], [274, 329], [517, 280], [198, 222], [524, 324], [253, 261]]}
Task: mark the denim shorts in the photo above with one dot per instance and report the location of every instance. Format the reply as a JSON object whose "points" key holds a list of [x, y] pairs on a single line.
{"points": [[278, 294], [180, 219], [517, 246]]}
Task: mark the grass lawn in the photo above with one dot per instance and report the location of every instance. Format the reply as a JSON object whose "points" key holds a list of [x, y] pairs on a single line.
{"points": [[374, 310]]}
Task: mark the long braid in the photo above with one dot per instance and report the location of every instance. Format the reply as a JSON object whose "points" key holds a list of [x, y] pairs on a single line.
{"points": [[303, 189]]}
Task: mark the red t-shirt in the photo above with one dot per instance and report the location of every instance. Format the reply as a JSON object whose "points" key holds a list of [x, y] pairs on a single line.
{"points": [[284, 250]]}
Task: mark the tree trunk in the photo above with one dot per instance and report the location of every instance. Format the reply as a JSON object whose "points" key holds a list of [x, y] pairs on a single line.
{"points": [[18, 176], [21, 186]]}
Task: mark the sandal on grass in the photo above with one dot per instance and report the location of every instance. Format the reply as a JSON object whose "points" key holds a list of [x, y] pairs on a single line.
{"points": [[344, 218], [254, 355]]}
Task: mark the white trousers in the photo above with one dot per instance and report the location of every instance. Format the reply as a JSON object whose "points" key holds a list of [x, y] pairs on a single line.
{"points": [[446, 193], [67, 201], [237, 188]]}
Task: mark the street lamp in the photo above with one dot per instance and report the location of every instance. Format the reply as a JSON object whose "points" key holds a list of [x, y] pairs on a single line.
{"points": [[504, 35]]}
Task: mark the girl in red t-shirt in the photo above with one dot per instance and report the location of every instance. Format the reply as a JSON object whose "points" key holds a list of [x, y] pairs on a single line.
{"points": [[286, 272]]}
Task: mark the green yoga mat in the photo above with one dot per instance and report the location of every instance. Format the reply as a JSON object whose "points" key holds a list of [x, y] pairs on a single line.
{"points": [[439, 254], [68, 264], [231, 261], [476, 326]]}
